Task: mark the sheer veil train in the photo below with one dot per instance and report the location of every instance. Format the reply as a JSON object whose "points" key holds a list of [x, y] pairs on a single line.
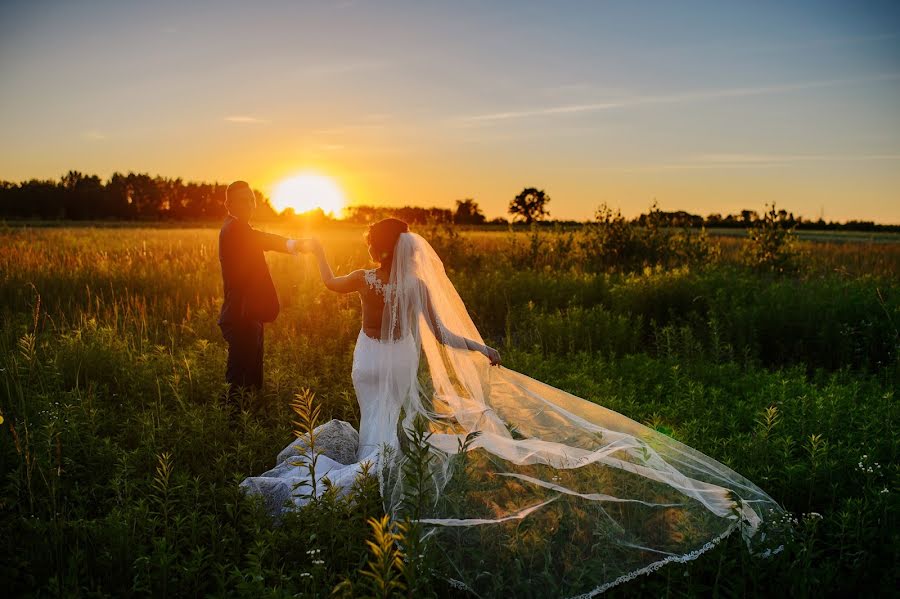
{"points": [[521, 488], [555, 494]]}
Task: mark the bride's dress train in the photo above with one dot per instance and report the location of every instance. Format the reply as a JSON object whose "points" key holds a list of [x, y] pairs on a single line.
{"points": [[531, 491], [341, 450]]}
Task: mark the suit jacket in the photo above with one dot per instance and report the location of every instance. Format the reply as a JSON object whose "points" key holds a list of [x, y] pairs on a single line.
{"points": [[249, 291]]}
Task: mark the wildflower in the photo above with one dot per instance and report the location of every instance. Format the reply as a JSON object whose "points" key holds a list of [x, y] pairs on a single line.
{"points": [[884, 490], [812, 516]]}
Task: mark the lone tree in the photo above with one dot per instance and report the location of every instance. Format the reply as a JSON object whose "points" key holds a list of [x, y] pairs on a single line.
{"points": [[530, 205], [468, 213]]}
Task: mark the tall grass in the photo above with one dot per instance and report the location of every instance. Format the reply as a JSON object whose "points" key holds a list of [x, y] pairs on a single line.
{"points": [[120, 460]]}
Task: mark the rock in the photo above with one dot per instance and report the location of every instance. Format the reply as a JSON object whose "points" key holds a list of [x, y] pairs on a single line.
{"points": [[336, 439], [274, 492]]}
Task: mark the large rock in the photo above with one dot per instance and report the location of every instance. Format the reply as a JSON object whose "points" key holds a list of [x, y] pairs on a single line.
{"points": [[336, 439], [274, 492]]}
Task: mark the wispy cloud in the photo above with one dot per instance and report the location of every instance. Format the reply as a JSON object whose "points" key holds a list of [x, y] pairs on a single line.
{"points": [[732, 161], [245, 120], [784, 158], [692, 96], [93, 136]]}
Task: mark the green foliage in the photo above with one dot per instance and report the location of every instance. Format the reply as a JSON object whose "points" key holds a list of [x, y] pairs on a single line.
{"points": [[120, 464], [385, 567], [613, 243], [308, 413], [771, 243]]}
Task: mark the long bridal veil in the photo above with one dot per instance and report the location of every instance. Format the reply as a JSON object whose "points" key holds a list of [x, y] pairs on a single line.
{"points": [[526, 490]]}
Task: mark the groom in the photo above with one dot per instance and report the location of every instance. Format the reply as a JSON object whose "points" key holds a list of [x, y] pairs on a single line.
{"points": [[250, 298]]}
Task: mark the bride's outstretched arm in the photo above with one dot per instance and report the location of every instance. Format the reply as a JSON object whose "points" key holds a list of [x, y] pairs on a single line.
{"points": [[349, 283], [448, 337]]}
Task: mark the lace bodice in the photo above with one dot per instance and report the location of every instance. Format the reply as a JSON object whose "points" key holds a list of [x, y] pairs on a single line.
{"points": [[375, 283]]}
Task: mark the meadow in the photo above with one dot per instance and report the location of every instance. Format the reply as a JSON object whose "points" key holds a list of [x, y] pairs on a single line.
{"points": [[120, 465]]}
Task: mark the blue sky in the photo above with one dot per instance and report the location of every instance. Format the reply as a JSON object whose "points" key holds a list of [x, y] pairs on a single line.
{"points": [[703, 106]]}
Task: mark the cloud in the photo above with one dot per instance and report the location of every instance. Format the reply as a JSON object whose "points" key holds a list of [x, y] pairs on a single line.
{"points": [[731, 161], [692, 96], [93, 136], [245, 120], [784, 158]]}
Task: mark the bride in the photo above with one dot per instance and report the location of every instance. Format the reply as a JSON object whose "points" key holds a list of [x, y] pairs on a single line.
{"points": [[529, 490]]}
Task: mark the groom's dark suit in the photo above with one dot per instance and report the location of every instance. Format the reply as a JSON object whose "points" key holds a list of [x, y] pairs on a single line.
{"points": [[250, 298]]}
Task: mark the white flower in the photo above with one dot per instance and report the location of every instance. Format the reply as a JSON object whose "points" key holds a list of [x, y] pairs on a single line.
{"points": [[884, 490]]}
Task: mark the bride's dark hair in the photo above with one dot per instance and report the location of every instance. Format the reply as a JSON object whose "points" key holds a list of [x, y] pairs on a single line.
{"points": [[382, 236]]}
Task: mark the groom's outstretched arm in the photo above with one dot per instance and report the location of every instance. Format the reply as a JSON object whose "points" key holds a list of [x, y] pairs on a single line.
{"points": [[271, 242]]}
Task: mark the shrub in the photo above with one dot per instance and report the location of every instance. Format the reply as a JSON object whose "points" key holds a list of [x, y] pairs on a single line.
{"points": [[771, 244], [612, 243]]}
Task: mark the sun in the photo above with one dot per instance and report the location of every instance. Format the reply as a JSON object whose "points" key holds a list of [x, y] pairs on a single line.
{"points": [[309, 191]]}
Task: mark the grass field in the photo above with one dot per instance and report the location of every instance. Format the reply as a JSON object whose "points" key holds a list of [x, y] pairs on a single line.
{"points": [[120, 466]]}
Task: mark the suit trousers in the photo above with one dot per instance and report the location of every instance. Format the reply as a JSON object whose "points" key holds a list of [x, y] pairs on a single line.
{"points": [[245, 354]]}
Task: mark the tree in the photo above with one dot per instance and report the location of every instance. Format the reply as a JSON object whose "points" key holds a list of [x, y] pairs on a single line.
{"points": [[530, 205], [468, 213]]}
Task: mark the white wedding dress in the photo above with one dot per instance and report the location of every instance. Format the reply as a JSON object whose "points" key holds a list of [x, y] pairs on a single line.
{"points": [[379, 413], [531, 491]]}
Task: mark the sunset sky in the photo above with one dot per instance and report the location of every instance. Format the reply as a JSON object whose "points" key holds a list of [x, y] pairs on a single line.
{"points": [[703, 106]]}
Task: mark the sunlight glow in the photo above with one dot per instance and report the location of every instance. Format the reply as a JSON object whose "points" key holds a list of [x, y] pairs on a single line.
{"points": [[309, 191]]}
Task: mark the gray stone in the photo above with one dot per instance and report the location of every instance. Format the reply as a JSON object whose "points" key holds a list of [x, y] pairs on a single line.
{"points": [[273, 491], [336, 439]]}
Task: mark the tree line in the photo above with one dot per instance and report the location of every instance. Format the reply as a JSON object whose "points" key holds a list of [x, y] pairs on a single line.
{"points": [[138, 196], [135, 196]]}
